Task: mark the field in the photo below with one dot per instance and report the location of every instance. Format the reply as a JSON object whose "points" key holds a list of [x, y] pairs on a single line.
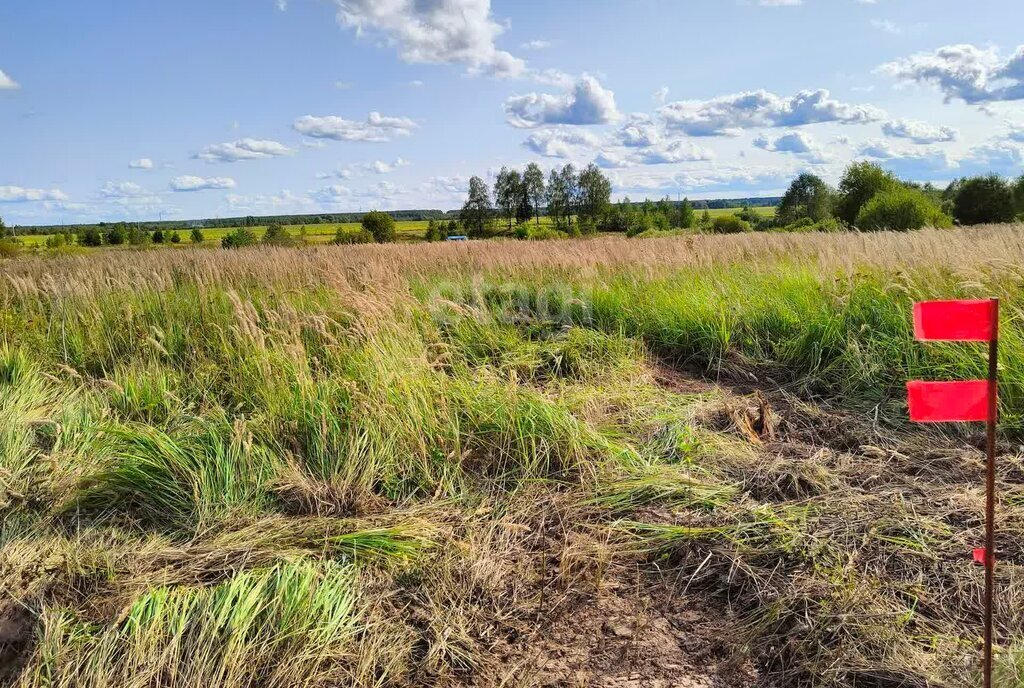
{"points": [[408, 230], [677, 461]]}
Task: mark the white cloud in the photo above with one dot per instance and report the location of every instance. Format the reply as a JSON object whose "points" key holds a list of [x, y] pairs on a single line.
{"points": [[7, 83], [538, 44], [560, 142], [1016, 131], [434, 31], [243, 149], [919, 132], [673, 152], [192, 183], [377, 128], [18, 194], [972, 74], [359, 169], [455, 185], [796, 142], [285, 201], [122, 190], [342, 85], [587, 103], [661, 95], [779, 3], [332, 194], [282, 5], [640, 131], [141, 164], [416, 83], [727, 115]]}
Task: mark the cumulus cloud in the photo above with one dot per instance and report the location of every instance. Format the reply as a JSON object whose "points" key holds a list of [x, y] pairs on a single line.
{"points": [[972, 74], [588, 102], [243, 149], [560, 142], [192, 183], [7, 83], [919, 132], [661, 95], [640, 131], [335, 193], [286, 201], [377, 128], [796, 142], [456, 185], [19, 194], [672, 152], [453, 31], [727, 115], [141, 164], [122, 190]]}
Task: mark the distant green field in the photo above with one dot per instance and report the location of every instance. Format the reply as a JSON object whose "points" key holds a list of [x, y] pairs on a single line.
{"points": [[408, 230]]}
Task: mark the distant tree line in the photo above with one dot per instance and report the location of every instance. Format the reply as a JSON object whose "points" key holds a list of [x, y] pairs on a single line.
{"points": [[576, 202]]}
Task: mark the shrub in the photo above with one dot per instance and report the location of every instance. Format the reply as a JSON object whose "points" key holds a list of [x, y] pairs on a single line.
{"points": [[240, 237], [158, 237], [9, 247], [729, 224], [980, 200], [116, 235], [197, 236], [175, 238], [380, 225], [359, 236], [276, 235], [91, 237], [900, 209]]}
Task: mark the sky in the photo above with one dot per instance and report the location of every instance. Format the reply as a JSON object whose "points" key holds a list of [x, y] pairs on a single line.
{"points": [[174, 110]]}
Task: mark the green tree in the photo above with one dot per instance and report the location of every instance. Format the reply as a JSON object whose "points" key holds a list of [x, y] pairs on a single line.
{"points": [[686, 215], [432, 231], [981, 200], [175, 237], [239, 238], [276, 235], [476, 212], [3, 229], [1018, 195], [380, 225], [137, 236], [508, 193], [807, 196], [571, 187], [860, 182], [533, 183], [116, 235], [595, 193], [900, 208], [197, 236], [557, 197], [158, 237], [91, 237]]}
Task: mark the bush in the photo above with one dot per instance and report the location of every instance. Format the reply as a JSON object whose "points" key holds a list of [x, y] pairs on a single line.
{"points": [[900, 209], [158, 237], [729, 224], [91, 237], [197, 236], [9, 247], [807, 196], [276, 235], [243, 236], [175, 238], [359, 236], [116, 235], [980, 200], [380, 225]]}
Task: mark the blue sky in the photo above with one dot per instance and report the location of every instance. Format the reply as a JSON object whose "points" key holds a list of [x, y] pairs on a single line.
{"points": [[112, 110]]}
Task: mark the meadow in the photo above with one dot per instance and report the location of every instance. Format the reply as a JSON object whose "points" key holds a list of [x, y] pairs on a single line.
{"points": [[582, 462], [408, 230]]}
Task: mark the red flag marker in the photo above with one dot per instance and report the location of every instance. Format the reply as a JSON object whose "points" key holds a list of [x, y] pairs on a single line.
{"points": [[967, 400], [954, 321], [947, 402]]}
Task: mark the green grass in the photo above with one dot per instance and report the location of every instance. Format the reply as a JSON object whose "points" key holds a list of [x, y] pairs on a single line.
{"points": [[220, 470]]}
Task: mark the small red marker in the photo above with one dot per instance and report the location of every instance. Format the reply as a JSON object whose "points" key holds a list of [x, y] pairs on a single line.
{"points": [[979, 555]]}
